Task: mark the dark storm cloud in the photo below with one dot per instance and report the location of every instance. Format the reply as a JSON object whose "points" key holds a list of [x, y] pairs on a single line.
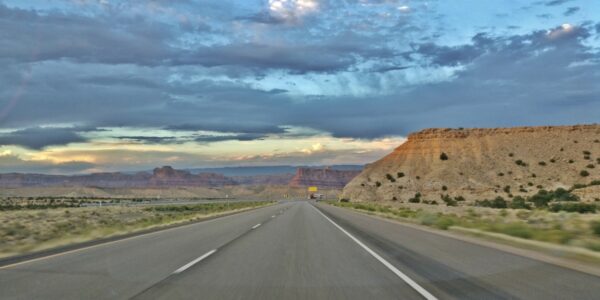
{"points": [[262, 17], [504, 79], [336, 54], [455, 55], [84, 66], [116, 80], [29, 36], [38, 138], [234, 126], [236, 137], [151, 139]]}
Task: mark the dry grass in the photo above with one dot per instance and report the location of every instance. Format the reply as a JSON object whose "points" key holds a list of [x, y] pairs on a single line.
{"points": [[26, 231], [571, 229]]}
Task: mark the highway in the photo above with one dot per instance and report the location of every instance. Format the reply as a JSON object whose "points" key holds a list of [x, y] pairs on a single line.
{"points": [[292, 250]]}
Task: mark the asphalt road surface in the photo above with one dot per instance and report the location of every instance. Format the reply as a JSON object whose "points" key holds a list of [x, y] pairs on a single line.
{"points": [[293, 250]]}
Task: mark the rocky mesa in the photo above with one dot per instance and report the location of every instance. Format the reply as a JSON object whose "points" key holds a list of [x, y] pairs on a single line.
{"points": [[477, 164]]}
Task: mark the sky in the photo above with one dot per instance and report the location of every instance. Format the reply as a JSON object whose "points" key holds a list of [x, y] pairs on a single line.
{"points": [[108, 85]]}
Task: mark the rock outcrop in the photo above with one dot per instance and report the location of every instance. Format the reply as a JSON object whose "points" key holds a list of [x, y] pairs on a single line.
{"points": [[482, 163], [324, 178]]}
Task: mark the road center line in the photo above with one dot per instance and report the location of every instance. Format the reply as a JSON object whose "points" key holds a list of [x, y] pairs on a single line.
{"points": [[195, 261], [255, 226], [403, 276]]}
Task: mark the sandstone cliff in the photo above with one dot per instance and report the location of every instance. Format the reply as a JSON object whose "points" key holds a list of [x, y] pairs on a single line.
{"points": [[482, 163]]}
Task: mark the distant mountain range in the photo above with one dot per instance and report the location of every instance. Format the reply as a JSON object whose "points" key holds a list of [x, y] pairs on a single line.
{"points": [[331, 177], [268, 170]]}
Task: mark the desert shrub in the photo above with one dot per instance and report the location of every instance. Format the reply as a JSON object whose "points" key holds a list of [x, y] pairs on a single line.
{"points": [[595, 182], [543, 197], [500, 174], [581, 208], [511, 154], [520, 162], [590, 166], [553, 160], [584, 173], [377, 183], [400, 174], [443, 156], [390, 177], [394, 198], [506, 189], [344, 200], [561, 194], [418, 177], [499, 202], [448, 200], [587, 153], [530, 183], [459, 198], [571, 161], [542, 163], [519, 203], [578, 186], [444, 188], [598, 160], [415, 199]]}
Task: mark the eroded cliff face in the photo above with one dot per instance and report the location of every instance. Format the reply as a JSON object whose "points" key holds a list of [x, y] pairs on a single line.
{"points": [[323, 178], [481, 163]]}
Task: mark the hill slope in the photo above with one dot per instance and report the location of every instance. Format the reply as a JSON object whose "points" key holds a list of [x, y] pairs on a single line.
{"points": [[481, 163]]}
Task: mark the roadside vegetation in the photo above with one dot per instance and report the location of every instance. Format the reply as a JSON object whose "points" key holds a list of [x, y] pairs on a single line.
{"points": [[26, 230], [563, 228]]}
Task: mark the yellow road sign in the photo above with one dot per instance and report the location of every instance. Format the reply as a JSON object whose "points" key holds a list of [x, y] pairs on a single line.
{"points": [[312, 189]]}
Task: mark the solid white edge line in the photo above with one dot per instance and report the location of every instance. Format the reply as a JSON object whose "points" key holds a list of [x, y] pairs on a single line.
{"points": [[195, 261], [403, 276], [255, 226]]}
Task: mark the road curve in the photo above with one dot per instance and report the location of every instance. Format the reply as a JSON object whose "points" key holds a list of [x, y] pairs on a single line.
{"points": [[294, 250]]}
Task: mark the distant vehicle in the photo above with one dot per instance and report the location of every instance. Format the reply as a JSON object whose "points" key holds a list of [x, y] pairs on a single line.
{"points": [[316, 196]]}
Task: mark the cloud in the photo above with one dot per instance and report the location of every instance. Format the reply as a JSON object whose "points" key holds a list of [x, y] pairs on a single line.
{"points": [[571, 11], [235, 137], [13, 163], [556, 2], [29, 36], [292, 10], [151, 139], [40, 137]]}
